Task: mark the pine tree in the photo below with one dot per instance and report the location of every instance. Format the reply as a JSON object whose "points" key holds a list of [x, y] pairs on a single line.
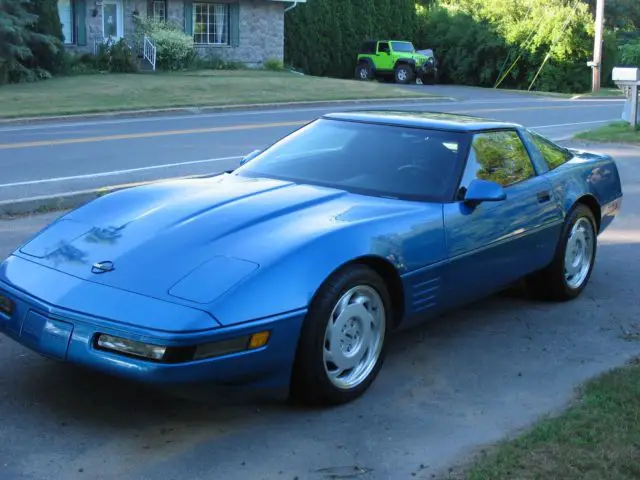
{"points": [[14, 36], [47, 54]]}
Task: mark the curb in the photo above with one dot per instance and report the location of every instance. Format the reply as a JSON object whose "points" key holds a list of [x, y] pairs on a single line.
{"points": [[71, 200], [198, 110]]}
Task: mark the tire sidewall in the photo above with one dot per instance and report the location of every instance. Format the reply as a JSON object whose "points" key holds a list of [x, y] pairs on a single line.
{"points": [[409, 76], [313, 332], [360, 68], [580, 211]]}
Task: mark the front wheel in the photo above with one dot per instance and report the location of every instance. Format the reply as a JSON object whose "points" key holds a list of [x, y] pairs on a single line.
{"points": [[569, 272], [343, 341], [403, 74]]}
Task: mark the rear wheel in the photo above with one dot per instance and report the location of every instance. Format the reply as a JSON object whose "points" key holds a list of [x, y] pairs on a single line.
{"points": [[343, 341], [363, 72], [569, 272], [403, 74]]}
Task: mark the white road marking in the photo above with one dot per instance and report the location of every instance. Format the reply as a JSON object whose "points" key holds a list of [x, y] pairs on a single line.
{"points": [[573, 124], [284, 111], [221, 159], [117, 172]]}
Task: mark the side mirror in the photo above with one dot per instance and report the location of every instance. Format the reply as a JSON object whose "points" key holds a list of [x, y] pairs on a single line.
{"points": [[484, 191], [249, 157]]}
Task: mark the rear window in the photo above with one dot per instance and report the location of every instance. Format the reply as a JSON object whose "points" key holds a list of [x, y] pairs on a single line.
{"points": [[553, 154], [368, 48]]}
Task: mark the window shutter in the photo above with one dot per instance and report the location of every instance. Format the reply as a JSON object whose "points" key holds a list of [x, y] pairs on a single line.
{"points": [[234, 24], [188, 17], [81, 16], [150, 8]]}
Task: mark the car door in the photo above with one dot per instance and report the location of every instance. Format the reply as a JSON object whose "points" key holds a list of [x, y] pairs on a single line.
{"points": [[494, 243], [384, 60]]}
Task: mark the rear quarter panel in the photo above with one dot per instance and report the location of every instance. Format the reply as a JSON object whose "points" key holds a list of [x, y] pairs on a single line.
{"points": [[589, 176]]}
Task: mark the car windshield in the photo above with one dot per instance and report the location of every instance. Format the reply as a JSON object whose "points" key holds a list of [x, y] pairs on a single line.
{"points": [[399, 162], [403, 47]]}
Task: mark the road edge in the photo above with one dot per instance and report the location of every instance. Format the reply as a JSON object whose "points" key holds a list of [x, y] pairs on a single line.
{"points": [[199, 110], [49, 203], [10, 209]]}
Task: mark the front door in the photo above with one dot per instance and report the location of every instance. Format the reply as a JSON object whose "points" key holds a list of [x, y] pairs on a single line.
{"points": [[112, 19], [495, 243], [384, 60]]}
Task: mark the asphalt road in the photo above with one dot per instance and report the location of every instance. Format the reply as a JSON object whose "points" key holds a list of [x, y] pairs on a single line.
{"points": [[54, 158], [447, 388]]}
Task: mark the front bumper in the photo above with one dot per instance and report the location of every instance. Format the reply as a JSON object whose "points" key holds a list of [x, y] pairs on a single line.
{"points": [[70, 336]]}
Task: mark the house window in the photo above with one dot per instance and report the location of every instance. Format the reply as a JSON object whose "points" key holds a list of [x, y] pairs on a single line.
{"points": [[65, 11], [211, 23], [159, 10]]}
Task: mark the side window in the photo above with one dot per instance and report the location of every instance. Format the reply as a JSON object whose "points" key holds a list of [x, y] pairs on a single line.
{"points": [[552, 153], [384, 47], [498, 156]]}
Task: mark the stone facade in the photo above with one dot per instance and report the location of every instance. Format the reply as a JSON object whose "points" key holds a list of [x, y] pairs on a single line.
{"points": [[261, 35], [261, 29]]}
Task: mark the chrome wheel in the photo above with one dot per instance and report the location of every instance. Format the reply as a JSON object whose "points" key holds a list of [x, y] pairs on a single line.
{"points": [[402, 75], [354, 337], [578, 255], [364, 74]]}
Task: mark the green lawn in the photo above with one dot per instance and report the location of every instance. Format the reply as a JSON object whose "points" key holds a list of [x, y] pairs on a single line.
{"points": [[597, 438], [109, 92], [616, 132]]}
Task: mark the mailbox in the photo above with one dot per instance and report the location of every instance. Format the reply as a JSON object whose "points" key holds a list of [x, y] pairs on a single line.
{"points": [[628, 80], [625, 74]]}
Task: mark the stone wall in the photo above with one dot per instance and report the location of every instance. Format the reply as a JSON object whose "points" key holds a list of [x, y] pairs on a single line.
{"points": [[261, 35], [261, 30]]}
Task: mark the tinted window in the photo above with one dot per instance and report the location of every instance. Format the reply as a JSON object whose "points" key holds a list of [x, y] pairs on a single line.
{"points": [[368, 47], [371, 159], [402, 47], [383, 47], [498, 156], [553, 154]]}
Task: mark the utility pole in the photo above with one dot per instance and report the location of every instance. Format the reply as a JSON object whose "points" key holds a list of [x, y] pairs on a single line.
{"points": [[597, 47]]}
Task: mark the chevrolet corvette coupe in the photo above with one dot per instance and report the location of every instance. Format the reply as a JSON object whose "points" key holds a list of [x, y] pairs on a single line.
{"points": [[293, 269]]}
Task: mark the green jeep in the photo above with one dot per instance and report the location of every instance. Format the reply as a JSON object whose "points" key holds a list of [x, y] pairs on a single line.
{"points": [[398, 59]]}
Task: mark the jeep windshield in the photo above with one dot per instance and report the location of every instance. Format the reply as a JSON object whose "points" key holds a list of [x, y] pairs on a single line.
{"points": [[370, 159], [405, 47]]}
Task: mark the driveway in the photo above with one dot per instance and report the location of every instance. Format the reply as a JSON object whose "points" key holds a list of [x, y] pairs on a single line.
{"points": [[446, 389]]}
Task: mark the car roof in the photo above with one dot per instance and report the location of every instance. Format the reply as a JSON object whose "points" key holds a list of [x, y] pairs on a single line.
{"points": [[416, 119]]}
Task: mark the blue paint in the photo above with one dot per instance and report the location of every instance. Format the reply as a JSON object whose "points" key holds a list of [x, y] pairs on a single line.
{"points": [[202, 260]]}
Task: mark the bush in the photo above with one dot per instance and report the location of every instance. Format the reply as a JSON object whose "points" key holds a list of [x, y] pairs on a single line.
{"points": [[121, 58], [48, 55], [274, 64], [630, 54], [174, 48], [478, 43]]}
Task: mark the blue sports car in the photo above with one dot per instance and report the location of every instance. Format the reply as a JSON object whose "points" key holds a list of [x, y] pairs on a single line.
{"points": [[292, 270]]}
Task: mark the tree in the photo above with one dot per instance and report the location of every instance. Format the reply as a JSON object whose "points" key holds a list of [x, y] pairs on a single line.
{"points": [[47, 54], [14, 37]]}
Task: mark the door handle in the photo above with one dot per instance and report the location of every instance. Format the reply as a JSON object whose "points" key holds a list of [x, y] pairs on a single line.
{"points": [[544, 196]]}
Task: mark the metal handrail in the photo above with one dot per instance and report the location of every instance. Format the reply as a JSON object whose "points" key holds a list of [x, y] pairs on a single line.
{"points": [[149, 51]]}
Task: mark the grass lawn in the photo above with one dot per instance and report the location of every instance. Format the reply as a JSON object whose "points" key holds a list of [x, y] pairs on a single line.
{"points": [[597, 438], [109, 92], [616, 132]]}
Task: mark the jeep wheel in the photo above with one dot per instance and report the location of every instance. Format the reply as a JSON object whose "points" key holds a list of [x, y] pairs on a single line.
{"points": [[363, 72], [403, 74]]}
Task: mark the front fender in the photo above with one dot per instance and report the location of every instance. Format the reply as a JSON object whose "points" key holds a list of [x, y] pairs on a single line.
{"points": [[289, 282]]}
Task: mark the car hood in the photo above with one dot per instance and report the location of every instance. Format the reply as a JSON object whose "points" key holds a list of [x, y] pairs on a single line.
{"points": [[147, 239]]}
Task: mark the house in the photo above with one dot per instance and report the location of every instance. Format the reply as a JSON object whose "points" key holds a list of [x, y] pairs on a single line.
{"points": [[248, 31]]}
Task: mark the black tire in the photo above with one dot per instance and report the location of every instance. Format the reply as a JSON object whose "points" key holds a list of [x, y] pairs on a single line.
{"points": [[310, 382], [550, 283], [363, 72], [403, 74]]}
